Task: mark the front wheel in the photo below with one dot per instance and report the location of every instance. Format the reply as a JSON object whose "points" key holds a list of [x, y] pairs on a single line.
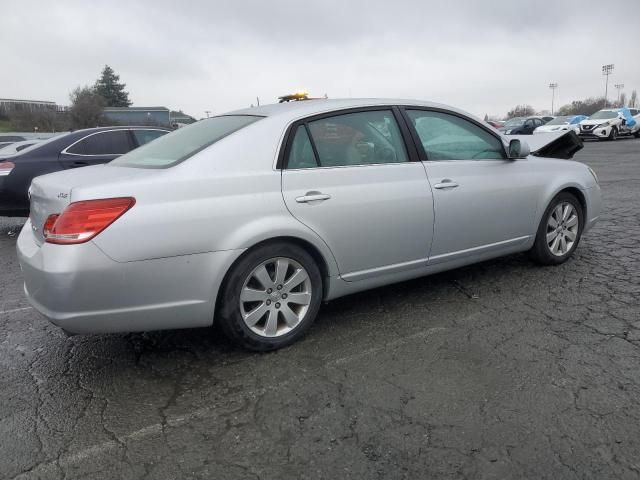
{"points": [[559, 231], [271, 297], [614, 134]]}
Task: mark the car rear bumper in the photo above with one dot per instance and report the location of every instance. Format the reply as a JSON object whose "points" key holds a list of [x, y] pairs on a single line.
{"points": [[82, 290]]}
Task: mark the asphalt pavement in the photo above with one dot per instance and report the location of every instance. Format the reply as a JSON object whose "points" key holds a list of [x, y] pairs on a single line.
{"points": [[499, 370]]}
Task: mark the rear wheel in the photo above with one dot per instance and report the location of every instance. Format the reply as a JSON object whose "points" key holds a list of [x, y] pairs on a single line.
{"points": [[559, 231], [271, 297]]}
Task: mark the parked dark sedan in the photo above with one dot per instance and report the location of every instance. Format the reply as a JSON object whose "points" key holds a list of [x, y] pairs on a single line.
{"points": [[522, 125], [71, 150]]}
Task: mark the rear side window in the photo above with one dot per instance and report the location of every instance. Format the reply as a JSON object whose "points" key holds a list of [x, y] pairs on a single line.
{"points": [[301, 154], [181, 144], [115, 142], [145, 136], [361, 138], [449, 137]]}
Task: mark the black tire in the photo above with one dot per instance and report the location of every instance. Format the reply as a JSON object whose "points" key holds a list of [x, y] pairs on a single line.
{"points": [[229, 315], [613, 135], [637, 134], [541, 252]]}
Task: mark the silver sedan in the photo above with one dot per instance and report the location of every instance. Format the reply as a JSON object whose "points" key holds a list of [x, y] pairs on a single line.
{"points": [[254, 218]]}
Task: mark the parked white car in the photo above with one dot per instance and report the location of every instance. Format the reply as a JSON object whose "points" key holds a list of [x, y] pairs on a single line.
{"points": [[609, 123], [562, 123]]}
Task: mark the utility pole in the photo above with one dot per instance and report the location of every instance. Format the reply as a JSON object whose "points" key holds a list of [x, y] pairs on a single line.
{"points": [[619, 86], [606, 70], [553, 87], [207, 112], [258, 100]]}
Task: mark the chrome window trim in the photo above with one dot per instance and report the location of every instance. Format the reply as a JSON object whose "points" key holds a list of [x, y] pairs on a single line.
{"points": [[329, 113], [98, 133], [360, 165]]}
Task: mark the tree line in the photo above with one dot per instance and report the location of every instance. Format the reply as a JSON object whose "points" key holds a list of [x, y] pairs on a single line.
{"points": [[85, 110], [588, 106]]}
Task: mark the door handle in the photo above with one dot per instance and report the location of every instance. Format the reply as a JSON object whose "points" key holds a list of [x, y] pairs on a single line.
{"points": [[446, 183], [79, 164], [313, 197]]}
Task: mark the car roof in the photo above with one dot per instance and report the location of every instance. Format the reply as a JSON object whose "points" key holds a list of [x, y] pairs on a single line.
{"points": [[303, 108]]}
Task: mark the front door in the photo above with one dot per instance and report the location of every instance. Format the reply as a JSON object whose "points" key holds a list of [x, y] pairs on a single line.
{"points": [[349, 178], [483, 201]]}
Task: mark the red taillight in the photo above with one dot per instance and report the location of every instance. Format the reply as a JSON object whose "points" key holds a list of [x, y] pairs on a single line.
{"points": [[81, 221], [48, 225], [5, 168]]}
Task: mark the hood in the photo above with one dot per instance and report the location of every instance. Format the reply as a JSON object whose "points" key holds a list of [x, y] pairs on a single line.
{"points": [[564, 144], [553, 128], [597, 121]]}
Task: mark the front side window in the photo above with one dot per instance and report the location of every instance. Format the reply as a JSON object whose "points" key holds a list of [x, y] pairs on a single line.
{"points": [[449, 137], [181, 144], [145, 136], [103, 143], [361, 138]]}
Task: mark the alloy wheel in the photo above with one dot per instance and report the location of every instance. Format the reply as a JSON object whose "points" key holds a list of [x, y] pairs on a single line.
{"points": [[562, 229], [275, 297]]}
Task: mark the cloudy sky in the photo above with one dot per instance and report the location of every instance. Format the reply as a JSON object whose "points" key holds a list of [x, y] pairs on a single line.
{"points": [[483, 56]]}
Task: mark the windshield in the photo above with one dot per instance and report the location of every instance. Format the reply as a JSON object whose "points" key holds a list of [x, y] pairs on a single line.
{"points": [[559, 121], [603, 114], [514, 122], [181, 144]]}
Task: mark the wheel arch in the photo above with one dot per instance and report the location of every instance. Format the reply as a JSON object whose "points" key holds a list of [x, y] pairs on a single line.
{"points": [[570, 187], [309, 247], [576, 192]]}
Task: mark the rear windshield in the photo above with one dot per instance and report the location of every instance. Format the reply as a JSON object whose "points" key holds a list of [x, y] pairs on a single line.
{"points": [[181, 144], [514, 122]]}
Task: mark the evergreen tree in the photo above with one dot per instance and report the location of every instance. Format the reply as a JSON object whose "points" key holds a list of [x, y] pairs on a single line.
{"points": [[108, 86]]}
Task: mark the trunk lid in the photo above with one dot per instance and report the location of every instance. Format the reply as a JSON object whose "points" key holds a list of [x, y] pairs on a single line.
{"points": [[50, 194]]}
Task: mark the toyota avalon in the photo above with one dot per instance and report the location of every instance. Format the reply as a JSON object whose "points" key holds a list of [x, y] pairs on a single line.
{"points": [[250, 220]]}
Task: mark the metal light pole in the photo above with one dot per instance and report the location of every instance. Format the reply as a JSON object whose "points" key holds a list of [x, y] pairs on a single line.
{"points": [[553, 87], [207, 112], [619, 86], [606, 70]]}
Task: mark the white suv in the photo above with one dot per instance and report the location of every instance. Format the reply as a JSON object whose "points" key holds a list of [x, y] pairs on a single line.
{"points": [[608, 123]]}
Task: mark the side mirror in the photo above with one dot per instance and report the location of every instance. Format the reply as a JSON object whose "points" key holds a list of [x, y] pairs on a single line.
{"points": [[518, 149]]}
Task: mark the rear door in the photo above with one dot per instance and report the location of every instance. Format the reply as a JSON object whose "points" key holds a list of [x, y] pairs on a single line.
{"points": [[351, 178], [97, 148]]}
